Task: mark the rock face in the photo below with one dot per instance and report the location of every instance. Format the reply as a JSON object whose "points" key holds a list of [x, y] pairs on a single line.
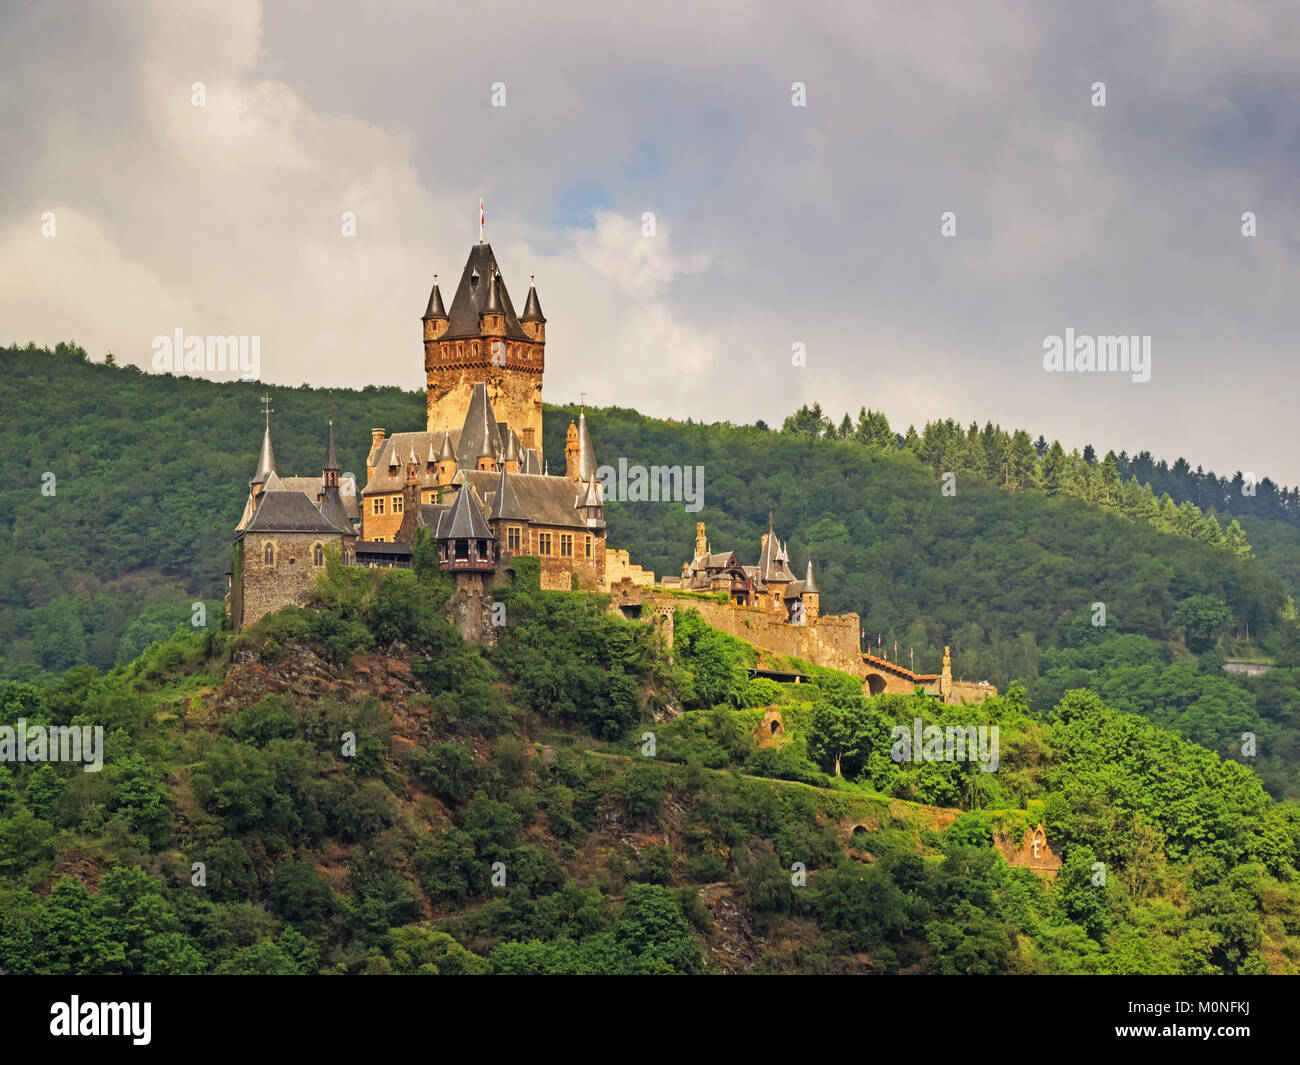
{"points": [[1033, 853]]}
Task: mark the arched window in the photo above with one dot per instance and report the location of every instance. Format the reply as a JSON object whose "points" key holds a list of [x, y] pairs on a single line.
{"points": [[268, 554], [317, 555]]}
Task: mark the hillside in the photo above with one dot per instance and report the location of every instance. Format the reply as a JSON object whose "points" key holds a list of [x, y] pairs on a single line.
{"points": [[366, 794], [150, 474]]}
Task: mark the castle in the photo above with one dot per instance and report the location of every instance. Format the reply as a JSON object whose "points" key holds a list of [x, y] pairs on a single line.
{"points": [[476, 478]]}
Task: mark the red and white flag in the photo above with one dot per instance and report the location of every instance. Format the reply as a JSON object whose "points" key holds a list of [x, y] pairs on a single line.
{"points": [[482, 220]]}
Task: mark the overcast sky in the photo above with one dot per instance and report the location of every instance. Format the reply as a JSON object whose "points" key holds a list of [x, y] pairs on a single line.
{"points": [[775, 224]]}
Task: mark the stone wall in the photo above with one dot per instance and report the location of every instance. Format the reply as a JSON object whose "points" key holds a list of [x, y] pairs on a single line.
{"points": [[515, 392], [290, 580], [619, 567]]}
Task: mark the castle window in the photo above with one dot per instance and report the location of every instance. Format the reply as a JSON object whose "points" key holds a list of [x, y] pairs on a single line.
{"points": [[428, 496], [512, 538], [397, 504], [377, 505], [566, 545], [544, 543], [268, 555], [317, 555], [474, 349], [588, 546]]}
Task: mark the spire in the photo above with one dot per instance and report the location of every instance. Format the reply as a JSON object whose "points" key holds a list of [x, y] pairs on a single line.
{"points": [[586, 452], [331, 459], [809, 585], [446, 451], [505, 503], [532, 308], [266, 460], [435, 308], [493, 305]]}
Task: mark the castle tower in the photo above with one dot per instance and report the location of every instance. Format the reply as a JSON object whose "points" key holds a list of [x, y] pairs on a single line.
{"points": [[331, 504], [446, 461], [481, 341], [701, 541], [533, 322], [945, 678], [571, 452], [812, 599]]}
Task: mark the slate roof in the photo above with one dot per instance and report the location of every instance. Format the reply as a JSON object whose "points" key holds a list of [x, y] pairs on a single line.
{"points": [[505, 500], [586, 452], [465, 520], [532, 462], [435, 308], [331, 459], [472, 296], [532, 308], [381, 482], [314, 487], [809, 585], [546, 500], [480, 434], [331, 507], [265, 460], [281, 511]]}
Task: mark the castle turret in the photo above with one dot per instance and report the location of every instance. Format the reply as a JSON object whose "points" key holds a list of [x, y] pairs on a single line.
{"points": [[446, 461], [812, 599], [945, 677], [514, 453], [701, 541], [571, 452], [435, 317], [533, 322], [331, 504], [376, 449]]}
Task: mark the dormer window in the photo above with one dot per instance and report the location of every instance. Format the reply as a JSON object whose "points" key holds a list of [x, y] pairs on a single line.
{"points": [[473, 279]]}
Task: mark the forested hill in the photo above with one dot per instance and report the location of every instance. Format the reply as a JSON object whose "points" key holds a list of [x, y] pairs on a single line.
{"points": [[150, 473]]}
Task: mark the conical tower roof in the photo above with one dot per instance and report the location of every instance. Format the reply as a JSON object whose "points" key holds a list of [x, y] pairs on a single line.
{"points": [[465, 521], [809, 585], [446, 451], [266, 460], [435, 308], [472, 296], [505, 504], [331, 458], [586, 452], [532, 308]]}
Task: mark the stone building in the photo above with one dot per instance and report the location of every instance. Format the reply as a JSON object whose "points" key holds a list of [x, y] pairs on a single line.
{"points": [[770, 585], [475, 476], [284, 537], [481, 341]]}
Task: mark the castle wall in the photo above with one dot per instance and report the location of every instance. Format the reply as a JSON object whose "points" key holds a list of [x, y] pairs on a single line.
{"points": [[289, 581], [619, 566]]}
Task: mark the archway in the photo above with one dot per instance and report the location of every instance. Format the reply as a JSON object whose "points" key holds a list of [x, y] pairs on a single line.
{"points": [[875, 683], [776, 728]]}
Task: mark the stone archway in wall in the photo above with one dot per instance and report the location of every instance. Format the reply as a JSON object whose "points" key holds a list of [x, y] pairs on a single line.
{"points": [[875, 684]]}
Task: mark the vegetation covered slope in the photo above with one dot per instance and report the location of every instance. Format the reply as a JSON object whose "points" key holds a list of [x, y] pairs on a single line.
{"points": [[119, 493], [350, 788]]}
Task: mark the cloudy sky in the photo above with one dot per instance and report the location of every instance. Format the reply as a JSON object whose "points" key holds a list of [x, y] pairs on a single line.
{"points": [[775, 224]]}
